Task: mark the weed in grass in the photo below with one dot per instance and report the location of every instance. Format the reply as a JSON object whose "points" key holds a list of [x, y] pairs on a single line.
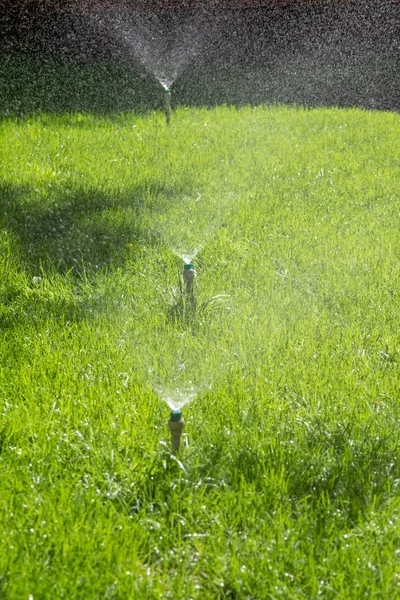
{"points": [[185, 307]]}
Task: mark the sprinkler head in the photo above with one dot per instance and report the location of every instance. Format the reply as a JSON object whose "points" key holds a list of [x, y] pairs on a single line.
{"points": [[189, 273], [176, 415]]}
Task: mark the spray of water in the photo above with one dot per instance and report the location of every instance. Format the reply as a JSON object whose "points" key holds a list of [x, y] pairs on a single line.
{"points": [[163, 45], [166, 83], [176, 364], [186, 255], [177, 398]]}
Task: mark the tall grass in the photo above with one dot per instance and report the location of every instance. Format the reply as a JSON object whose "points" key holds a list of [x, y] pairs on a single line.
{"points": [[288, 485]]}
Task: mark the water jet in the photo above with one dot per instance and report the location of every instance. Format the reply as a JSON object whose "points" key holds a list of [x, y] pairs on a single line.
{"points": [[164, 45]]}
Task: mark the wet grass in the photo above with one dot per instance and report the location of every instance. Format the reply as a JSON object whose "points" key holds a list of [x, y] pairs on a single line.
{"points": [[289, 485]]}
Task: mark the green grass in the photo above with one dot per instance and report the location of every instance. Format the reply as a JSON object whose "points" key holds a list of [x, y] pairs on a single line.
{"points": [[288, 487]]}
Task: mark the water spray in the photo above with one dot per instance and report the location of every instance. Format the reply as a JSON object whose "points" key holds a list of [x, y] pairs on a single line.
{"points": [[167, 104], [176, 424]]}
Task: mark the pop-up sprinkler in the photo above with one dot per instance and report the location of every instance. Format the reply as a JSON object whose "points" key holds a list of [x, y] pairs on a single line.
{"points": [[176, 424], [167, 104], [189, 273]]}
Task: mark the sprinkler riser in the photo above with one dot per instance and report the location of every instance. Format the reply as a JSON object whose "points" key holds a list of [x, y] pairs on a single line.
{"points": [[167, 104], [176, 428], [188, 276], [189, 273]]}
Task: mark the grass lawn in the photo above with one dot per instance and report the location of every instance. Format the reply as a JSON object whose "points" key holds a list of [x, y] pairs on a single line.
{"points": [[288, 484]]}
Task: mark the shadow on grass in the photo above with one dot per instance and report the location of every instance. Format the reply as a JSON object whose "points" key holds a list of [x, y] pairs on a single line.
{"points": [[57, 242], [75, 229], [315, 54], [366, 82], [32, 85]]}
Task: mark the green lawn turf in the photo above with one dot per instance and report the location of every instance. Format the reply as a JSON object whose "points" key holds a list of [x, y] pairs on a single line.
{"points": [[288, 487]]}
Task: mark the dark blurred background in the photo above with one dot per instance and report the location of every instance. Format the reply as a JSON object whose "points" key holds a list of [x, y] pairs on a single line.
{"points": [[62, 57]]}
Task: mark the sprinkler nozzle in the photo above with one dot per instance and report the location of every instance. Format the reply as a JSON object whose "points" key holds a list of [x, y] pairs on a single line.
{"points": [[176, 424], [176, 415]]}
